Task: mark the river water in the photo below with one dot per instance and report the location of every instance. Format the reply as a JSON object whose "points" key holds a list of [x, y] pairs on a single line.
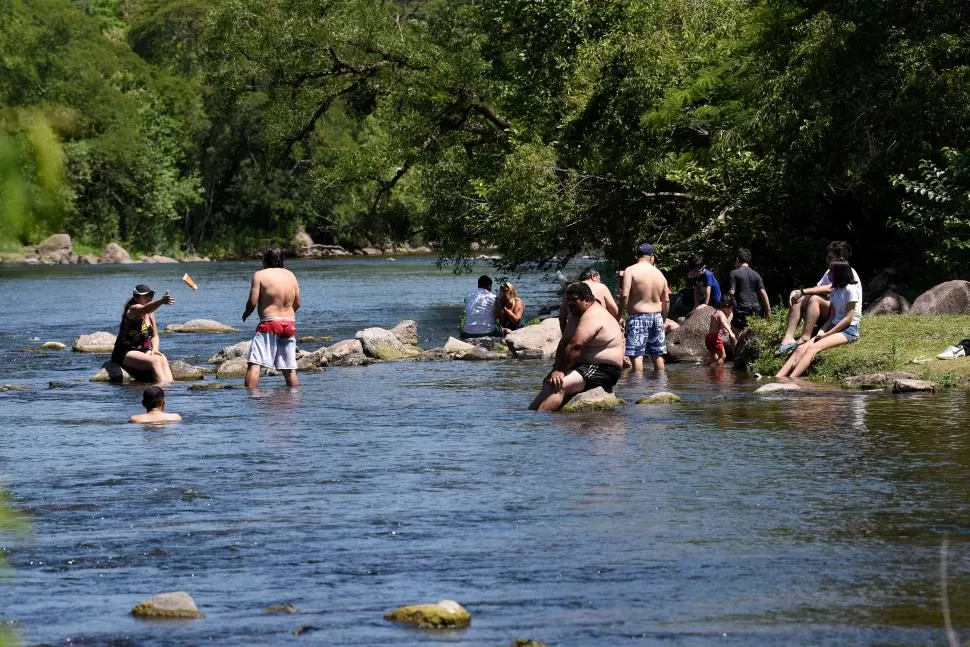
{"points": [[728, 519]]}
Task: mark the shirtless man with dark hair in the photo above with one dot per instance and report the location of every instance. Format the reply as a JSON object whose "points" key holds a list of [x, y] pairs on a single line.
{"points": [[589, 355], [153, 399], [276, 293], [646, 297]]}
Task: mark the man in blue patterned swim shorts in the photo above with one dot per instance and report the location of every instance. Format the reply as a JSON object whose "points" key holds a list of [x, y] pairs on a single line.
{"points": [[646, 297]]}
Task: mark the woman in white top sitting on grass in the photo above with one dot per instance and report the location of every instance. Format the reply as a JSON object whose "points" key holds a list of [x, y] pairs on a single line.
{"points": [[842, 327]]}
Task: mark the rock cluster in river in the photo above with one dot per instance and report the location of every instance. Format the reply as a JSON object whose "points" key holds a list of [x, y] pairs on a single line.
{"points": [[59, 250]]}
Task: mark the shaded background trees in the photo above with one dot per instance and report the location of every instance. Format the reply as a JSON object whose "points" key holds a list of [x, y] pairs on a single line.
{"points": [[545, 128]]}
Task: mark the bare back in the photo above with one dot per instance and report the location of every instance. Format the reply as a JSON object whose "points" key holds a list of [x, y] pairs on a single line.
{"points": [[276, 293], [644, 289]]}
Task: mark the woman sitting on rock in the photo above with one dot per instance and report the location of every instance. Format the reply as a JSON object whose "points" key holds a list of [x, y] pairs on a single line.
{"points": [[842, 326], [508, 308], [136, 348]]}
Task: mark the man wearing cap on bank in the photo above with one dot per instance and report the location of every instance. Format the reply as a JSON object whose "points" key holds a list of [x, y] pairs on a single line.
{"points": [[646, 298], [137, 346]]}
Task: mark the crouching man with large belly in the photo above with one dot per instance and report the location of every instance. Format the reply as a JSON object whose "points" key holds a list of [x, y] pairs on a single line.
{"points": [[590, 353]]}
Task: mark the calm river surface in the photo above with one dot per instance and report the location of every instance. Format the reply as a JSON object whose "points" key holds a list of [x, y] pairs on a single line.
{"points": [[729, 519]]}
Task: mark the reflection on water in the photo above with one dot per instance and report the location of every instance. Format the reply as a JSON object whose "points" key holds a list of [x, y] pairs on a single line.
{"points": [[724, 518]]}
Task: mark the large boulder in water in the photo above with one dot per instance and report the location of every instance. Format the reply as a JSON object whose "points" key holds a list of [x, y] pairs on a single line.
{"points": [[950, 298], [231, 352], [407, 332], [542, 337], [334, 353], [200, 325], [383, 344], [686, 344], [96, 342], [115, 253], [445, 614], [889, 303], [185, 372], [235, 367], [598, 399], [56, 250], [177, 604]]}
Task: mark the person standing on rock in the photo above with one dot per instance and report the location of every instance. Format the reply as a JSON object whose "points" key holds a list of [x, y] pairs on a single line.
{"points": [[589, 355], [153, 399], [480, 311], [136, 348], [591, 277], [646, 298], [275, 292]]}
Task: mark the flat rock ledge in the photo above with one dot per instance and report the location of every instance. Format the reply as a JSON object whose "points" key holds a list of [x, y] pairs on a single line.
{"points": [[663, 397], [778, 387], [96, 342], [597, 399], [177, 604], [181, 372], [883, 380], [200, 325], [445, 614], [913, 386]]}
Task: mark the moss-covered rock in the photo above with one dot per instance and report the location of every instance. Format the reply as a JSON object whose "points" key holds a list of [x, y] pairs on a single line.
{"points": [[177, 604], [214, 386], [280, 608], [663, 397], [13, 387], [597, 399], [235, 367], [883, 380], [379, 343], [53, 345], [445, 614]]}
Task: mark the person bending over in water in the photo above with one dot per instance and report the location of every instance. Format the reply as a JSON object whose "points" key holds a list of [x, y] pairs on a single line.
{"points": [[136, 347], [508, 308], [276, 293], [153, 399], [589, 355]]}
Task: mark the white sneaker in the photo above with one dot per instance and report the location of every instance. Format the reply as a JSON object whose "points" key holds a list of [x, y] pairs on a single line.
{"points": [[952, 352]]}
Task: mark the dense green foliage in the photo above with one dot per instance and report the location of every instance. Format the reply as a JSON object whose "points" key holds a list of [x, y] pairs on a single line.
{"points": [[545, 128]]}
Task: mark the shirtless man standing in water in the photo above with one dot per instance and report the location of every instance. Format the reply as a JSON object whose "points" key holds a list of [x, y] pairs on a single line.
{"points": [[589, 355], [647, 298], [276, 293]]}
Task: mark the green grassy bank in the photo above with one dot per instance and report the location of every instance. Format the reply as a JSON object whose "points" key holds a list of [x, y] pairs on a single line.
{"points": [[886, 343]]}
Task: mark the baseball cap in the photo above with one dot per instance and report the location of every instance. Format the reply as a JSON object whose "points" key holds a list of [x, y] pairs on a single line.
{"points": [[141, 290], [646, 249]]}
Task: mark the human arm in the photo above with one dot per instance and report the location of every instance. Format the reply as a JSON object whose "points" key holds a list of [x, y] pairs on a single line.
{"points": [[296, 298], [610, 304], [253, 299], [726, 327], [139, 310], [841, 324], [624, 294], [155, 340], [765, 304], [570, 349], [665, 301]]}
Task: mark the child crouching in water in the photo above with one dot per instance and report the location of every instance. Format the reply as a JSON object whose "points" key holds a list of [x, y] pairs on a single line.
{"points": [[720, 330]]}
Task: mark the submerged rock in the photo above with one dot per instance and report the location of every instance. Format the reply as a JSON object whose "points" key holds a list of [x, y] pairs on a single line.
{"points": [[214, 386], [231, 352], [479, 354], [53, 345], [663, 397], [13, 387], [200, 325], [525, 642], [280, 608], [304, 629], [177, 604], [96, 342], [597, 399], [444, 614]]}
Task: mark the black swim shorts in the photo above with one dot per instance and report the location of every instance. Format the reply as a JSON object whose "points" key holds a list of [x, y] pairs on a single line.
{"points": [[604, 375]]}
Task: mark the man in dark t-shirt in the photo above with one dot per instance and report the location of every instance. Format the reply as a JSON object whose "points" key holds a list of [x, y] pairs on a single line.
{"points": [[748, 291]]}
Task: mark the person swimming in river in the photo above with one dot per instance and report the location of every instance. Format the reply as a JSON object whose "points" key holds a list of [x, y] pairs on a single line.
{"points": [[153, 399], [508, 308], [136, 348]]}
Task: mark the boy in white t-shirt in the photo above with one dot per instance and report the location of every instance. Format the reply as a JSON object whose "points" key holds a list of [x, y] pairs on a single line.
{"points": [[812, 304]]}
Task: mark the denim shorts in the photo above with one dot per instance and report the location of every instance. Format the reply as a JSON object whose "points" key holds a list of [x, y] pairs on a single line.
{"points": [[851, 333], [645, 335]]}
